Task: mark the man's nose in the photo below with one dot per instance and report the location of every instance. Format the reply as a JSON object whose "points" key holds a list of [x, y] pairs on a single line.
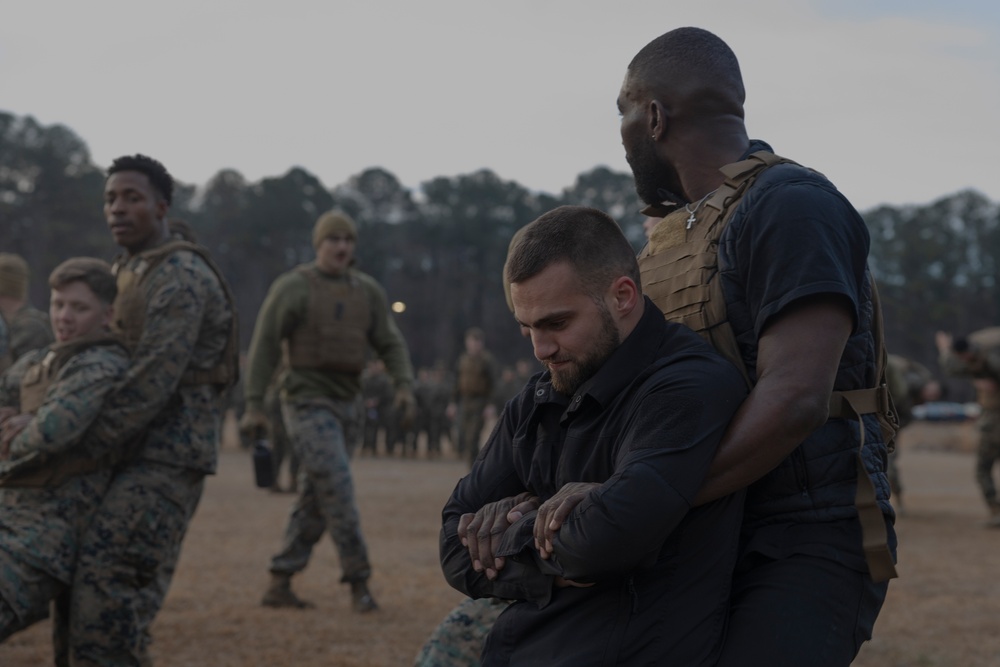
{"points": [[544, 346]]}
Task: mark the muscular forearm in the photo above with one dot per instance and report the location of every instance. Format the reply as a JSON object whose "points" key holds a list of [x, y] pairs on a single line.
{"points": [[797, 359], [518, 580], [770, 424]]}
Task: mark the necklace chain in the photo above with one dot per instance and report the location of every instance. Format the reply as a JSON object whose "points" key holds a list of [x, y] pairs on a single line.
{"points": [[691, 219]]}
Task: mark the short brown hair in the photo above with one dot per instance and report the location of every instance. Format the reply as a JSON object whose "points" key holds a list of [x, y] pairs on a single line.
{"points": [[588, 239], [92, 272]]}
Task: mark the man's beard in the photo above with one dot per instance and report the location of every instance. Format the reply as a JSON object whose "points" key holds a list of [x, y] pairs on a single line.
{"points": [[579, 371], [653, 178]]}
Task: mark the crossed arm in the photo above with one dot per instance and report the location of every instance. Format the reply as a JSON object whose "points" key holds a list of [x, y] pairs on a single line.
{"points": [[71, 405], [497, 537], [797, 364]]}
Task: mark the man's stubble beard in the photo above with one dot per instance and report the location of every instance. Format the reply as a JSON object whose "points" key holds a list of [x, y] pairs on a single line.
{"points": [[654, 179], [567, 382]]}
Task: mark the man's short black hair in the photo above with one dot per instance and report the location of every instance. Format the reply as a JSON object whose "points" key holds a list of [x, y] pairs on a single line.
{"points": [[157, 174], [694, 54]]}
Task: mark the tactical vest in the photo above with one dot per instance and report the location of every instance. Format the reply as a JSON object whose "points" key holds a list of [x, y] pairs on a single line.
{"points": [[36, 382], [679, 269], [334, 336], [130, 310], [987, 394], [473, 375]]}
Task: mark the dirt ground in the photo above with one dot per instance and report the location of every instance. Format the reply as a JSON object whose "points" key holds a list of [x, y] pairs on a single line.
{"points": [[941, 612]]}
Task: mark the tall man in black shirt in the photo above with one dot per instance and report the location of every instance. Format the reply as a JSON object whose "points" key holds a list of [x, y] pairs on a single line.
{"points": [[628, 415], [768, 260]]}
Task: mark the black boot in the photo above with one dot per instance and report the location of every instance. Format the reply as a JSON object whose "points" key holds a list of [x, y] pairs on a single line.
{"points": [[361, 598]]}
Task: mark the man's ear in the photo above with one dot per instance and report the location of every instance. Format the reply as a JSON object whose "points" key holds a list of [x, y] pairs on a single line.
{"points": [[109, 315], [658, 120], [625, 295]]}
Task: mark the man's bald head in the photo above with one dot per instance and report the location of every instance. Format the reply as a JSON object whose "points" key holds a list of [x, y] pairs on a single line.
{"points": [[681, 105], [692, 66]]}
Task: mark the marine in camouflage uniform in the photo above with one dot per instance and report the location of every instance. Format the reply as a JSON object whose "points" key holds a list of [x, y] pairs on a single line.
{"points": [[377, 393], [49, 483], [22, 328], [439, 424], [324, 316], [910, 384], [508, 387], [175, 312], [473, 392], [368, 417], [433, 394], [978, 357]]}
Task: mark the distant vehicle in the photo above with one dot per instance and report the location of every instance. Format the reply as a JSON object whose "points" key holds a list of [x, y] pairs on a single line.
{"points": [[945, 411]]}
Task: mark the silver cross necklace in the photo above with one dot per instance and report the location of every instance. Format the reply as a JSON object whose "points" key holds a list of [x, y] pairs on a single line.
{"points": [[691, 219]]}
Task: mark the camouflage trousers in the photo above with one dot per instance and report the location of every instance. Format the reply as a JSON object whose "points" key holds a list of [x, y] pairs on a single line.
{"points": [[988, 454], [470, 426], [25, 594], [458, 640], [326, 493], [40, 532], [125, 565]]}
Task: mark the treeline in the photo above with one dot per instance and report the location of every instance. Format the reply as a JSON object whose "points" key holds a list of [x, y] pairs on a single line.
{"points": [[440, 249]]}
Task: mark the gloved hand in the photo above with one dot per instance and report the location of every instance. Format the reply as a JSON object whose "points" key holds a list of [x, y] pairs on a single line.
{"points": [[405, 406], [254, 424]]}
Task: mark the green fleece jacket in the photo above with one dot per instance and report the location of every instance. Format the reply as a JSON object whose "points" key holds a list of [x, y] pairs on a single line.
{"points": [[284, 310]]}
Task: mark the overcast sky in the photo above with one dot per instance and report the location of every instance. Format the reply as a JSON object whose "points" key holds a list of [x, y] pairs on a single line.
{"points": [[896, 101]]}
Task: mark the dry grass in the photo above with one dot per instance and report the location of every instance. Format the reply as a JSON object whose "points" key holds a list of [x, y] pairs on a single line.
{"points": [[941, 612]]}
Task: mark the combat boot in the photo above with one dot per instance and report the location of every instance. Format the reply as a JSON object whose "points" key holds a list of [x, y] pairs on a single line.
{"points": [[279, 593], [994, 520], [361, 598]]}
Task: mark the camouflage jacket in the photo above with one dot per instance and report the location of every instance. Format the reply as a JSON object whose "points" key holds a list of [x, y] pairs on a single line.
{"points": [[42, 525], [73, 401], [186, 327]]}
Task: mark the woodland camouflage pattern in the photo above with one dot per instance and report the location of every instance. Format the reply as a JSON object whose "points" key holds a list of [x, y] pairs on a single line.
{"points": [[317, 427], [458, 640], [169, 435], [40, 528]]}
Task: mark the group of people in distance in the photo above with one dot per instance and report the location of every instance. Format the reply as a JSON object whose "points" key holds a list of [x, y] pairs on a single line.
{"points": [[696, 477]]}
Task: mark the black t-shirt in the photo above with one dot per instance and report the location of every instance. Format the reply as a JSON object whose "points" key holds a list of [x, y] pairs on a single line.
{"points": [[795, 237]]}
